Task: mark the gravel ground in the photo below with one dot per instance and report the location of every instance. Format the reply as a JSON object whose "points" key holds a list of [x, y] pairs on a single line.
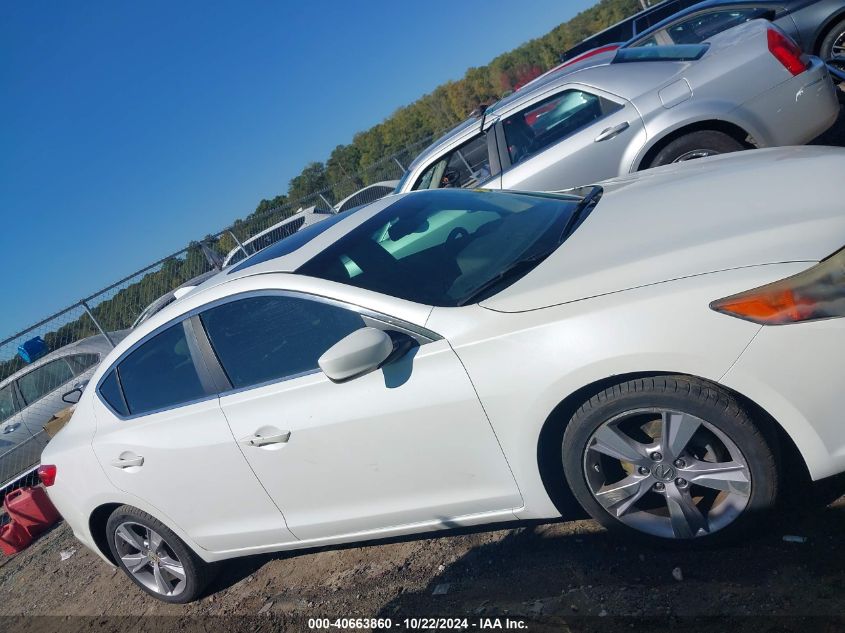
{"points": [[572, 571], [561, 576]]}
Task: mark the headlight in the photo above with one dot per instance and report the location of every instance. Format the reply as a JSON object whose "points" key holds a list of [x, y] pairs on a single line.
{"points": [[816, 293]]}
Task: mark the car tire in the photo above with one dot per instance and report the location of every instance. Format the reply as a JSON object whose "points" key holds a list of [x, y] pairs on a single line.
{"points": [[696, 145], [161, 560], [836, 36], [678, 488]]}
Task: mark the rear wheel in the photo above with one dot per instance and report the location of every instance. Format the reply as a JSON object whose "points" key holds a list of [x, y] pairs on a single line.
{"points": [[696, 145], [669, 458], [833, 45], [154, 558]]}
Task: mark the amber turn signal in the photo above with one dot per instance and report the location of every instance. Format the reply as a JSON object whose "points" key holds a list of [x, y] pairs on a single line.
{"points": [[816, 293]]}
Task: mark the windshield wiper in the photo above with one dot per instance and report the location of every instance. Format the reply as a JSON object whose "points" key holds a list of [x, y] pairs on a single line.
{"points": [[520, 265], [587, 203]]}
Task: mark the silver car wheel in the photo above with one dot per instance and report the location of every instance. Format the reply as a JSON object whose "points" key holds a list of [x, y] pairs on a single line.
{"points": [[696, 153], [150, 560], [667, 473], [837, 50]]}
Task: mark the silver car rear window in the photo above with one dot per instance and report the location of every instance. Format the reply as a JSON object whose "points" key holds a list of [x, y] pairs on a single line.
{"points": [[674, 53]]}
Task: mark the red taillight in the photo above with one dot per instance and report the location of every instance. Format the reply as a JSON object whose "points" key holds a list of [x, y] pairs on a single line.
{"points": [[47, 474], [786, 52]]}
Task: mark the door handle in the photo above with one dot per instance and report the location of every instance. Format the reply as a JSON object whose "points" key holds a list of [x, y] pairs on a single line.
{"points": [[128, 462], [263, 440], [609, 133]]}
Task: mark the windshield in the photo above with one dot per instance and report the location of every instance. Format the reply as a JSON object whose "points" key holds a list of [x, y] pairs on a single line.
{"points": [[441, 247]]}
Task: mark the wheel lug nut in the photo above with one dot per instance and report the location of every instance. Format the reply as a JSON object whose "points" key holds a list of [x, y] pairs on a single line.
{"points": [[680, 482], [656, 456], [643, 470], [679, 463], [659, 486]]}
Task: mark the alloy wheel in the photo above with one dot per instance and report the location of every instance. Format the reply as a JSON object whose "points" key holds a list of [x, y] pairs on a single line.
{"points": [[667, 473], [150, 560], [837, 50]]}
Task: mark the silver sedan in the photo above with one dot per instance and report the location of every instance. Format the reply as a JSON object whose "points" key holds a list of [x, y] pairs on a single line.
{"points": [[617, 112]]}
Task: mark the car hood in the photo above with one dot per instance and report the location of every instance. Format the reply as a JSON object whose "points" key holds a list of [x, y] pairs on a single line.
{"points": [[746, 209]]}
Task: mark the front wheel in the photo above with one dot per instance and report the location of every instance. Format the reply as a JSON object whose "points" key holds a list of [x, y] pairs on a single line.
{"points": [[670, 458], [696, 145], [154, 558]]}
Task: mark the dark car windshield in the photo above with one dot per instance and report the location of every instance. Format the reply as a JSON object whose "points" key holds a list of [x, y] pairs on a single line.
{"points": [[448, 247]]}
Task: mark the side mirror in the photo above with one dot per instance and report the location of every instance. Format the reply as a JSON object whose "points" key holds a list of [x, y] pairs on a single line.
{"points": [[357, 354], [73, 396]]}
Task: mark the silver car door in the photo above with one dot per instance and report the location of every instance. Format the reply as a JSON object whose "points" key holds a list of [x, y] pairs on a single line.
{"points": [[42, 391], [575, 136], [14, 436]]}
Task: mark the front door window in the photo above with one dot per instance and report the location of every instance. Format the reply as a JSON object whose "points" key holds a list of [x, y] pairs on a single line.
{"points": [[465, 167]]}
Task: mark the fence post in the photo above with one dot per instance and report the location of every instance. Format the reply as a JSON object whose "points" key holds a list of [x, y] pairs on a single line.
{"points": [[97, 323], [330, 205], [396, 160], [238, 242]]}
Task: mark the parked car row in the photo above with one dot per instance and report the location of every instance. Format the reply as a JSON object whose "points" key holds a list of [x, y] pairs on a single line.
{"points": [[629, 109], [463, 353]]}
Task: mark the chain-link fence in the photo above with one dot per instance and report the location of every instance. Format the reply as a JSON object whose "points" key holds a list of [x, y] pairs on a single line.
{"points": [[42, 364]]}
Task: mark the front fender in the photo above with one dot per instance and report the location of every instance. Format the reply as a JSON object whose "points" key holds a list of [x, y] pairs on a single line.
{"points": [[523, 365]]}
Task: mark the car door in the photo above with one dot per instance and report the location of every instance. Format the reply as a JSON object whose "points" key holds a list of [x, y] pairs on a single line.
{"points": [[41, 391], [406, 444], [162, 437], [575, 136], [12, 429], [15, 457]]}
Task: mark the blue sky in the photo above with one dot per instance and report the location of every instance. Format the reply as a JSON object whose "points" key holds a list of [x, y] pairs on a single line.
{"points": [[130, 128]]}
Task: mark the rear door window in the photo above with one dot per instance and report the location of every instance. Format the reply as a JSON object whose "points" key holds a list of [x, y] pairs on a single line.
{"points": [[112, 394], [160, 373], [552, 120], [41, 381]]}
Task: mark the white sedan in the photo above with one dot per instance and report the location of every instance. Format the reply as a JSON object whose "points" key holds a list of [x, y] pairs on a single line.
{"points": [[655, 348]]}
